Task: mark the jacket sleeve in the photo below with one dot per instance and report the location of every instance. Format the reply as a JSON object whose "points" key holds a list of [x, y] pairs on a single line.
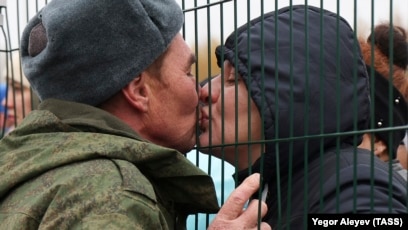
{"points": [[357, 191]]}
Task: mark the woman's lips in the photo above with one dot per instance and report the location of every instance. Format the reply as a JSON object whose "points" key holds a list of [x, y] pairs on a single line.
{"points": [[203, 120]]}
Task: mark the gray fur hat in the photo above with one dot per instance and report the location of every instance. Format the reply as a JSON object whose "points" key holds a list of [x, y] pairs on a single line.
{"points": [[87, 50]]}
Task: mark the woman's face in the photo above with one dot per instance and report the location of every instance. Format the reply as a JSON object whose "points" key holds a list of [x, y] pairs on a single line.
{"points": [[229, 117]]}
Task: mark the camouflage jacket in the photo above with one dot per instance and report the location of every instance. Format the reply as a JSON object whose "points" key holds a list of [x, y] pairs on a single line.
{"points": [[73, 166]]}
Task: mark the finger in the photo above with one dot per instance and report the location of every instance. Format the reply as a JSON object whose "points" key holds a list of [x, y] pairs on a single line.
{"points": [[262, 226], [265, 226], [232, 208], [252, 215]]}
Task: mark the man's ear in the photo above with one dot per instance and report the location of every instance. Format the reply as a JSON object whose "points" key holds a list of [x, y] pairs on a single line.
{"points": [[136, 93]]}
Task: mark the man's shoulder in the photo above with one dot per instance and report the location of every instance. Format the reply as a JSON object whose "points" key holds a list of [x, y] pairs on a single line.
{"points": [[108, 174], [90, 179], [84, 190]]}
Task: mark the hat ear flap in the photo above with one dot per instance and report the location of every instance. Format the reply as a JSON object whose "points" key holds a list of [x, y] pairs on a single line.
{"points": [[37, 40]]}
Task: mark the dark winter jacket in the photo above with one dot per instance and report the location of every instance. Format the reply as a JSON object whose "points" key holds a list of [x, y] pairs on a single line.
{"points": [[305, 73], [73, 166]]}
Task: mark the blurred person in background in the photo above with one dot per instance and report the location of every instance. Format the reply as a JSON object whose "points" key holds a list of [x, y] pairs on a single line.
{"points": [[275, 91], [385, 144], [19, 100], [376, 53], [3, 92], [403, 151]]}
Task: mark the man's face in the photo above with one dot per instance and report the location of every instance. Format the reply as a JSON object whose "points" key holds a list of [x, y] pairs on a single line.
{"points": [[173, 105]]}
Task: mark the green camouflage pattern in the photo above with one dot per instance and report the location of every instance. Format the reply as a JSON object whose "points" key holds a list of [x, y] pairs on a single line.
{"points": [[64, 171]]}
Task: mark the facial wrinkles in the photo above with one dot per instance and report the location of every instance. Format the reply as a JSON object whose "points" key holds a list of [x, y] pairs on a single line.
{"points": [[175, 99]]}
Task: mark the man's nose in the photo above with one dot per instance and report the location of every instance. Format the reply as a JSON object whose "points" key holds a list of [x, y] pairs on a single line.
{"points": [[209, 92]]}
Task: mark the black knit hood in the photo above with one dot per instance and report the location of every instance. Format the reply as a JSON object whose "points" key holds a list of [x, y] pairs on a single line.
{"points": [[305, 72]]}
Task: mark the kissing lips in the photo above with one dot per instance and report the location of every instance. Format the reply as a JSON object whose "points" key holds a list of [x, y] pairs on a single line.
{"points": [[203, 123]]}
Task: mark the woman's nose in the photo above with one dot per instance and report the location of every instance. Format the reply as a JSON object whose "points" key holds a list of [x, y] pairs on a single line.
{"points": [[204, 95], [209, 93]]}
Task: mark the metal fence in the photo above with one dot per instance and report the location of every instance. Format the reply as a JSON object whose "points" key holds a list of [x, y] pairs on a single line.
{"points": [[207, 24]]}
